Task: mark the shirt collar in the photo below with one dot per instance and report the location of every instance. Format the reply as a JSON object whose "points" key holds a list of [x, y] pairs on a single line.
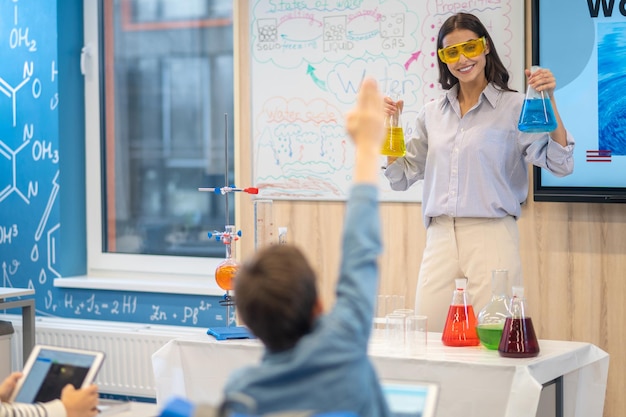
{"points": [[491, 93]]}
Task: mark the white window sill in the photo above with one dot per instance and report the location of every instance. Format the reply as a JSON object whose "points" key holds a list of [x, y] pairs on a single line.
{"points": [[176, 286]]}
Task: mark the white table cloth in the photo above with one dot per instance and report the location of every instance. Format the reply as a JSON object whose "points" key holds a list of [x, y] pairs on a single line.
{"points": [[474, 381]]}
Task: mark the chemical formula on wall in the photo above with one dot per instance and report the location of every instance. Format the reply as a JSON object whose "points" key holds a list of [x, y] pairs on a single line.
{"points": [[32, 248]]}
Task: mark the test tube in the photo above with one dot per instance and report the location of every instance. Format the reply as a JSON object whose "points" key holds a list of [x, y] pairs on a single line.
{"points": [[263, 223]]}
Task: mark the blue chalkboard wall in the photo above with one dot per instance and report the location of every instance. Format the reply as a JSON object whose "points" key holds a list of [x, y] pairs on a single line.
{"points": [[42, 166]]}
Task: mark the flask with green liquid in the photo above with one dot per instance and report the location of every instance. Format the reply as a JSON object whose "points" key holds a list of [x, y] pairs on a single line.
{"points": [[492, 316]]}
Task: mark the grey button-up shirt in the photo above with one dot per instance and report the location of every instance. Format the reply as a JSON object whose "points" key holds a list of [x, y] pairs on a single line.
{"points": [[476, 165]]}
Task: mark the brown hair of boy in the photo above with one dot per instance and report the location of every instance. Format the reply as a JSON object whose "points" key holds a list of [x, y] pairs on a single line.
{"points": [[276, 296]]}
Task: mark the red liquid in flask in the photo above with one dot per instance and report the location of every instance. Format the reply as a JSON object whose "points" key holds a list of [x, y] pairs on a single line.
{"points": [[518, 339], [460, 327]]}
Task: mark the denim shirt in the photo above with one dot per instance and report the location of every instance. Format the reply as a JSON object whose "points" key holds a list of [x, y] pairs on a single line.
{"points": [[329, 369], [476, 165]]}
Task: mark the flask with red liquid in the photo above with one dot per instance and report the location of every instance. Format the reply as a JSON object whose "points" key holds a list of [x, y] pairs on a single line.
{"points": [[518, 336], [460, 327]]}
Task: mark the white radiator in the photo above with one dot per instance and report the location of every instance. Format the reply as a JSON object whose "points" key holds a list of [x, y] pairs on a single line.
{"points": [[127, 368]]}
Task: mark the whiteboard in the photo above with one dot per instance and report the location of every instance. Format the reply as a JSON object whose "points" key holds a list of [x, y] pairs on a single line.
{"points": [[308, 59]]}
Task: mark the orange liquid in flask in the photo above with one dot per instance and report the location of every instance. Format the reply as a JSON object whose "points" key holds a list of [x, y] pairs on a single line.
{"points": [[225, 275]]}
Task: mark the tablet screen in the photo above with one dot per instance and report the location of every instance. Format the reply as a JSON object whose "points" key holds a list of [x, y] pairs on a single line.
{"points": [[411, 399], [49, 369]]}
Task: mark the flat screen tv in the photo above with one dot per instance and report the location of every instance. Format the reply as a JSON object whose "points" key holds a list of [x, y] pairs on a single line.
{"points": [[583, 42]]}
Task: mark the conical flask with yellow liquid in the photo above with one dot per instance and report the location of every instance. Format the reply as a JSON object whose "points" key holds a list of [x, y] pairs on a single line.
{"points": [[394, 140]]}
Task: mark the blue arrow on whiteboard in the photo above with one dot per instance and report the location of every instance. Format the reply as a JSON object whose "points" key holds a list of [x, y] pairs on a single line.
{"points": [[311, 71]]}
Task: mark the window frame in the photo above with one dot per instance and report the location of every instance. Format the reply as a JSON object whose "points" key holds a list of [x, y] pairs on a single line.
{"points": [[150, 273]]}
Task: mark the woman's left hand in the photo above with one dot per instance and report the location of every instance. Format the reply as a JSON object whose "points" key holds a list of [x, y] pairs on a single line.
{"points": [[542, 80]]}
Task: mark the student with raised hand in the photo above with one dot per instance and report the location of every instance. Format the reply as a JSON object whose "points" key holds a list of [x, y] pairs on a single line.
{"points": [[315, 361], [73, 402], [474, 163]]}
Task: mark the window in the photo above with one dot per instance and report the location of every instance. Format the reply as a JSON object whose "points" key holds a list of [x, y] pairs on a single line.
{"points": [[159, 102]]}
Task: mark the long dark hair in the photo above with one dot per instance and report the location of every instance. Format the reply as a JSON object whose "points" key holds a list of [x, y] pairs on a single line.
{"points": [[495, 71]]}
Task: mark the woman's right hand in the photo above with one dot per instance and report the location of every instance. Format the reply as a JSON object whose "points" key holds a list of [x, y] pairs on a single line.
{"points": [[392, 106]]}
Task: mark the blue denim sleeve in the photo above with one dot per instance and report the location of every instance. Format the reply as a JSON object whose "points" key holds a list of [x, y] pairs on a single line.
{"points": [[358, 280]]}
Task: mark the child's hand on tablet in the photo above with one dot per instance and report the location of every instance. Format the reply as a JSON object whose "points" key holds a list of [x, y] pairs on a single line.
{"points": [[81, 402], [8, 385]]}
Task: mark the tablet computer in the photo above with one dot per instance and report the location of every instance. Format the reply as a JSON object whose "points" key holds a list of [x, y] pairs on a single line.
{"points": [[410, 398], [50, 368]]}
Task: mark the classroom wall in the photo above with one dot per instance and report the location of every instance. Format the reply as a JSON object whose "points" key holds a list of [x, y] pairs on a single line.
{"points": [[573, 253], [42, 197]]}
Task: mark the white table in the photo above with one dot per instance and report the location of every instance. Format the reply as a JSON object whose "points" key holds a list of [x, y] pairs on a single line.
{"points": [[28, 314], [474, 381], [136, 409]]}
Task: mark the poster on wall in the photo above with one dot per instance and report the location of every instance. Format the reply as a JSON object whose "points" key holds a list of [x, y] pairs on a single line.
{"points": [[583, 42]]}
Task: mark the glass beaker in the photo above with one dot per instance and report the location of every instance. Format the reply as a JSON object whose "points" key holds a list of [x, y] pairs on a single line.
{"points": [[460, 327], [537, 114], [518, 336], [393, 144], [416, 334], [492, 316], [394, 331]]}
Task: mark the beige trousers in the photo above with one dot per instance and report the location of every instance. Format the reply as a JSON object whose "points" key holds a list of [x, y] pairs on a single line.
{"points": [[465, 247]]}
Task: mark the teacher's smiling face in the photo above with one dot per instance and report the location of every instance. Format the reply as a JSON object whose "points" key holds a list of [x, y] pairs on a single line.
{"points": [[471, 51]]}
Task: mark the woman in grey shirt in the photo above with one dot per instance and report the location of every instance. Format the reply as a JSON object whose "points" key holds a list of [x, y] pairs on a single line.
{"points": [[473, 161]]}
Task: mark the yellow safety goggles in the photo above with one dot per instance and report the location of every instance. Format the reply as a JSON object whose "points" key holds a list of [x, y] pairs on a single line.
{"points": [[470, 49]]}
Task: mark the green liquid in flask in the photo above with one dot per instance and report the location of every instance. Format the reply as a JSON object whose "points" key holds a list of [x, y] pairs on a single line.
{"points": [[490, 335]]}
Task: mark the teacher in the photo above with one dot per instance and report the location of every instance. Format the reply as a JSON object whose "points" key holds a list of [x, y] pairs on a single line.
{"points": [[474, 163]]}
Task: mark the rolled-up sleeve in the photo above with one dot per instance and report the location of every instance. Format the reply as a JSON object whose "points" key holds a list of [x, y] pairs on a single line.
{"points": [[550, 155]]}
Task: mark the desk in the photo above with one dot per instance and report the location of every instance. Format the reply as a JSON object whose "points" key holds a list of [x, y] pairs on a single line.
{"points": [[137, 410], [28, 315], [474, 381]]}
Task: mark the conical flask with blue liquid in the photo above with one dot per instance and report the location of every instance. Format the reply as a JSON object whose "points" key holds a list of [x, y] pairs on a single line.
{"points": [[537, 115]]}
